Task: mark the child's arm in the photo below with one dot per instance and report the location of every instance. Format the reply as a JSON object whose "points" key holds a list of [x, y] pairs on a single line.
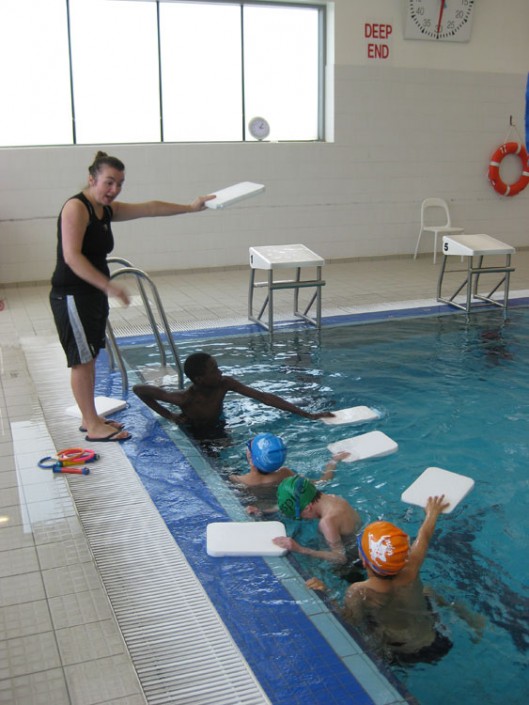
{"points": [[328, 470], [335, 554], [352, 610], [476, 621], [152, 395], [238, 479], [252, 510], [419, 549], [277, 402]]}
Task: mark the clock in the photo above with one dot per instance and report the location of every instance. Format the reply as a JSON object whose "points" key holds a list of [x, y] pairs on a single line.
{"points": [[259, 128], [442, 20]]}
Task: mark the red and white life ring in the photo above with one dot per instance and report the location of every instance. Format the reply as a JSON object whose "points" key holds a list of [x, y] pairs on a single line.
{"points": [[494, 169]]}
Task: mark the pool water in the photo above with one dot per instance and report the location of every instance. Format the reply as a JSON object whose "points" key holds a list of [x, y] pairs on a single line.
{"points": [[453, 393]]}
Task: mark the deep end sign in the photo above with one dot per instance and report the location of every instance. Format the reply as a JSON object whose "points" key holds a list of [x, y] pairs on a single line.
{"points": [[377, 36]]}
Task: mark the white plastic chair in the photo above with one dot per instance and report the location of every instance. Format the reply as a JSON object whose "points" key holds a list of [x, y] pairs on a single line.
{"points": [[442, 223]]}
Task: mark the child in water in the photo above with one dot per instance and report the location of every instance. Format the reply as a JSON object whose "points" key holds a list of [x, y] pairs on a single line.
{"points": [[391, 606], [266, 454], [338, 522], [201, 404]]}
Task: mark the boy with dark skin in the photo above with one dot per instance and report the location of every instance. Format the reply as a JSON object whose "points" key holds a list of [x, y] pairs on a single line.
{"points": [[201, 403]]}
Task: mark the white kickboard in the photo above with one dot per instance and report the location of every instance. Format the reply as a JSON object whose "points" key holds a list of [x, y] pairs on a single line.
{"points": [[232, 194], [353, 415], [374, 444], [244, 538], [434, 482], [104, 407]]}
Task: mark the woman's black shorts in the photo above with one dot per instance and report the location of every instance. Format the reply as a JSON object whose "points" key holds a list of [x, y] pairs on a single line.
{"points": [[81, 322]]}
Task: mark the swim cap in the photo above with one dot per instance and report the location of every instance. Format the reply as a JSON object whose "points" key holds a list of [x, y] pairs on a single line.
{"points": [[384, 547], [294, 494], [268, 452]]}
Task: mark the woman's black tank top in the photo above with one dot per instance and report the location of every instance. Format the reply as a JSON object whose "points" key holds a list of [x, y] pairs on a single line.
{"points": [[98, 242]]}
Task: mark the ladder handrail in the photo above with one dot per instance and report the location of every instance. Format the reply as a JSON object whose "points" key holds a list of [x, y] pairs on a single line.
{"points": [[114, 354], [141, 277]]}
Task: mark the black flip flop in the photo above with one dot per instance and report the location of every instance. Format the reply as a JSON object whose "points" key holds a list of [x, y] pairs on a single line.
{"points": [[108, 439], [110, 422]]}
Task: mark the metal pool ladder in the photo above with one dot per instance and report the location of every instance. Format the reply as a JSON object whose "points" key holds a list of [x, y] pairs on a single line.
{"points": [[142, 279]]}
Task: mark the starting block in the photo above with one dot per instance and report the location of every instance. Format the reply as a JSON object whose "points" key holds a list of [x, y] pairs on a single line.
{"points": [[270, 259], [478, 246]]}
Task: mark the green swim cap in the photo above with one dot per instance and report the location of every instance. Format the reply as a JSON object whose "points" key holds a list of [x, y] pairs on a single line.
{"points": [[294, 494]]}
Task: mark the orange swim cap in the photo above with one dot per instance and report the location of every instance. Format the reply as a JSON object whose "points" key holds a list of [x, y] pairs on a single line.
{"points": [[384, 547]]}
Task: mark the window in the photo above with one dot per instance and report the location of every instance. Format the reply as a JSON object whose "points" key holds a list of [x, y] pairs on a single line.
{"points": [[281, 72], [101, 71], [201, 61], [115, 71], [35, 79]]}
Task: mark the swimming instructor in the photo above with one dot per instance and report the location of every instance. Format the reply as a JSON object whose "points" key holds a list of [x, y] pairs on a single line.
{"points": [[81, 281]]}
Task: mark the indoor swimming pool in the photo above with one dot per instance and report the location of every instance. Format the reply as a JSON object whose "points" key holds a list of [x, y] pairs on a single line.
{"points": [[453, 393]]}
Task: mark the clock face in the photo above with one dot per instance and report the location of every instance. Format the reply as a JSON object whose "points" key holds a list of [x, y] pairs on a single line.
{"points": [[444, 20], [259, 128]]}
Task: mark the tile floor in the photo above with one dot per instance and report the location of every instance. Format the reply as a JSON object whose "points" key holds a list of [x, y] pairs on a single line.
{"points": [[61, 640]]}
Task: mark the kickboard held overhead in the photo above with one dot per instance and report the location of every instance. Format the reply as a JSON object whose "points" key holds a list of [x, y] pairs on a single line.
{"points": [[232, 194], [434, 482], [244, 538]]}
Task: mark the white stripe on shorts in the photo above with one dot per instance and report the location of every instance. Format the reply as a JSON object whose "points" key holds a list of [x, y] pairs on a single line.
{"points": [[85, 354]]}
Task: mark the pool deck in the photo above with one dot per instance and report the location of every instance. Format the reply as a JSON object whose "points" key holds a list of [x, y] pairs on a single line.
{"points": [[80, 554]]}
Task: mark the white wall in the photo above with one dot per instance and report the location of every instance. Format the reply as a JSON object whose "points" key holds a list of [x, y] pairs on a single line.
{"points": [[423, 122], [498, 43]]}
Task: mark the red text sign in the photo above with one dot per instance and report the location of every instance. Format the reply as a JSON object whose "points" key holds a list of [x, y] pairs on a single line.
{"points": [[377, 31]]}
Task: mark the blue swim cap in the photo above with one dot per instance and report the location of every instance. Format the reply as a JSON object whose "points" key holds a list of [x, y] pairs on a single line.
{"points": [[268, 452]]}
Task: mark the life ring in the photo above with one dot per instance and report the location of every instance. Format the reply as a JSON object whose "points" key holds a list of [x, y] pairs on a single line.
{"points": [[494, 169]]}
